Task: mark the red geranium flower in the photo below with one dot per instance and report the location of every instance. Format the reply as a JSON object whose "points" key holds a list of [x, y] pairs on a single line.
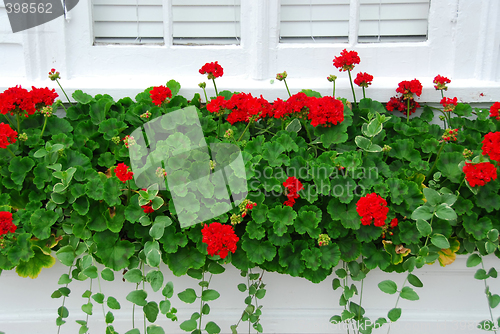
{"points": [[440, 82], [122, 172], [244, 107], [325, 111], [292, 187], [450, 135], [494, 110], [363, 79], [217, 105], [394, 222], [6, 224], [43, 97], [372, 207], [400, 104], [160, 94], [408, 88], [346, 60], [479, 174], [148, 208], [214, 70], [449, 104], [491, 145], [220, 239], [7, 135], [16, 100]]}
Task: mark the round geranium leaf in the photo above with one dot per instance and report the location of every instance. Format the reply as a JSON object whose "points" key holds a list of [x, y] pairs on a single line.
{"points": [[388, 286]]}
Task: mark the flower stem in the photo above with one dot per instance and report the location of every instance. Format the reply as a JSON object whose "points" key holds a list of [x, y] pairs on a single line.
{"points": [[10, 122], [486, 289], [64, 297], [201, 302], [215, 86], [460, 185], [333, 89], [248, 125], [12, 153], [43, 128], [18, 126], [397, 300], [435, 161], [307, 130], [63, 91], [364, 95], [352, 86], [284, 80], [205, 92], [408, 111]]}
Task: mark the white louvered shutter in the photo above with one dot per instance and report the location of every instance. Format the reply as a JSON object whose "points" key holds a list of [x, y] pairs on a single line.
{"points": [[206, 22], [128, 21], [314, 20], [393, 20]]}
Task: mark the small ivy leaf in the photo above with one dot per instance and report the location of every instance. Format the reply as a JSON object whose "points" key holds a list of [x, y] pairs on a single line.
{"points": [[424, 227], [335, 283], [138, 297], [346, 315], [481, 274], [109, 317], [154, 329], [87, 308], [494, 300], [189, 325], [98, 297], [113, 303], [388, 286], [422, 212], [209, 295], [444, 211], [242, 287], [151, 311], [394, 314], [107, 275], [473, 260], [335, 319], [133, 331], [493, 273], [408, 293], [133, 276], [440, 241], [415, 281], [168, 290], [187, 296], [212, 328], [62, 312]]}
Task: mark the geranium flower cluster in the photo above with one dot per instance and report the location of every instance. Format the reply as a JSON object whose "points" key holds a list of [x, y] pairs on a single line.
{"points": [[440, 82], [246, 206], [6, 224], [292, 187], [123, 173], [220, 239], [346, 60], [363, 79], [406, 89], [17, 100], [494, 110], [160, 94], [449, 104], [450, 135], [491, 145], [478, 174], [374, 208], [7, 135], [242, 107], [214, 70]]}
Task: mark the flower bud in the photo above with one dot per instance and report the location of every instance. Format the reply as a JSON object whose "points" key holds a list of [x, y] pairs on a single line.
{"points": [[146, 115], [323, 240], [116, 140], [331, 78], [53, 75], [229, 134], [23, 136], [202, 85], [281, 76], [386, 148]]}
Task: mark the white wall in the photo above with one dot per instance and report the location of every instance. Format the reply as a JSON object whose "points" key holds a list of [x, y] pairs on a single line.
{"points": [[463, 44], [451, 302]]}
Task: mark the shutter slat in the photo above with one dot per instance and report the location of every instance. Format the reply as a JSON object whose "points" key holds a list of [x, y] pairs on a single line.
{"points": [[128, 13], [394, 28], [314, 19], [206, 21], [128, 29], [395, 12]]}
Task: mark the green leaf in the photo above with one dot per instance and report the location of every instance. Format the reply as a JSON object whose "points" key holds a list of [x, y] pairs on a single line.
{"points": [[294, 126], [189, 325], [98, 297], [155, 278], [423, 212], [113, 303], [388, 286], [138, 297], [82, 97], [408, 293], [273, 154], [154, 329], [478, 228], [133, 331], [415, 281], [151, 311], [66, 255], [394, 314], [440, 241], [258, 251], [168, 290], [212, 328], [174, 87], [34, 265], [432, 196], [109, 317], [424, 227], [63, 312], [209, 294], [282, 217], [42, 221], [133, 276], [494, 300], [481, 274], [164, 306], [153, 253], [87, 308], [187, 296], [107, 275], [444, 211]]}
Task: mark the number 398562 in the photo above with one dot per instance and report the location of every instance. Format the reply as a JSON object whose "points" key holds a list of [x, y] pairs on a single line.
{"points": [[32, 8]]}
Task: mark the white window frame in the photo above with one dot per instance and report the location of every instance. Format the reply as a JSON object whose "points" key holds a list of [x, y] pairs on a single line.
{"points": [[463, 44]]}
